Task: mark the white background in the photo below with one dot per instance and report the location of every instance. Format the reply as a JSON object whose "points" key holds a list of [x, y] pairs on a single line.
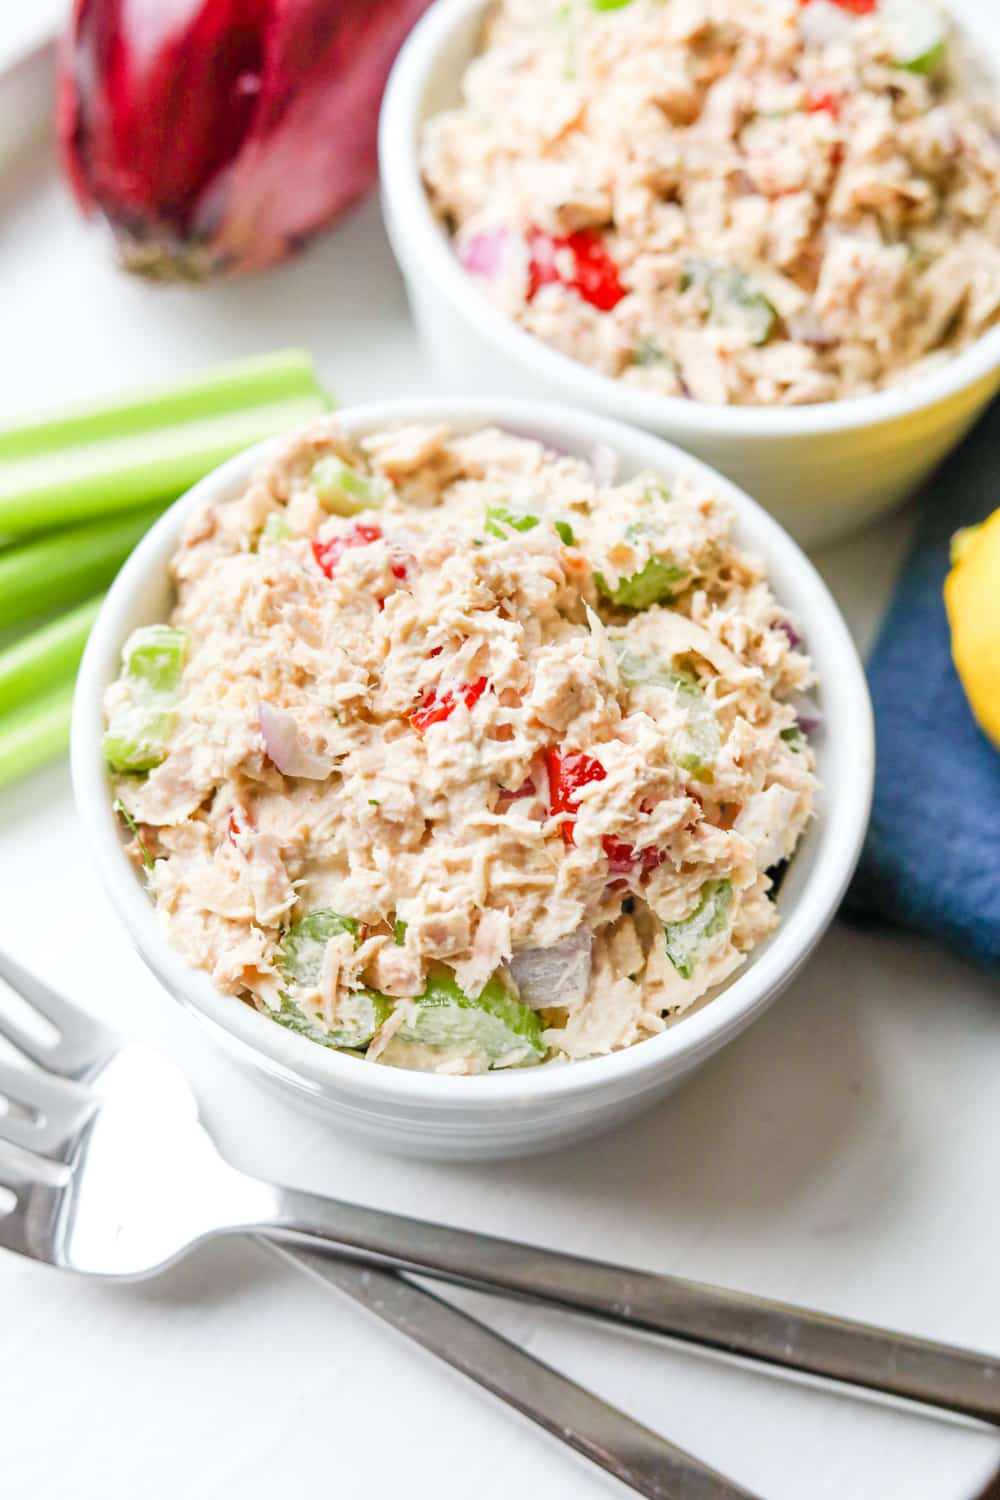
{"points": [[844, 1153]]}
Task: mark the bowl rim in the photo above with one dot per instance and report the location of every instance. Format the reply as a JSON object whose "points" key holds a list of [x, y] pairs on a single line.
{"points": [[422, 250], [850, 737]]}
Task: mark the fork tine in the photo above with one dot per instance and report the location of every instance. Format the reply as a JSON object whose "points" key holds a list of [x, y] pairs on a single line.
{"points": [[57, 1110], [82, 1043], [27, 1227]]}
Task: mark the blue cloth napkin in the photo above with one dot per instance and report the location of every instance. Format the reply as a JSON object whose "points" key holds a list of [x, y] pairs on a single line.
{"points": [[932, 858]]}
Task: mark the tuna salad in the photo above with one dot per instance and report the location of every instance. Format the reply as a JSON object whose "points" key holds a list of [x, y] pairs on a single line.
{"points": [[458, 753], [767, 202]]}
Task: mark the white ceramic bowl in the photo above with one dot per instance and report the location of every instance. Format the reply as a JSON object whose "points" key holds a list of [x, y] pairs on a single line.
{"points": [[823, 470], [501, 1114]]}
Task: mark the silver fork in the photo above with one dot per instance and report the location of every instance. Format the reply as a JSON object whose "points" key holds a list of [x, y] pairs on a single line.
{"points": [[116, 1177]]}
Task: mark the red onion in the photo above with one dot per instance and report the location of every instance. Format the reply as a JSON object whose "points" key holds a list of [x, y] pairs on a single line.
{"points": [[489, 254], [218, 135], [285, 749], [559, 975], [808, 712]]}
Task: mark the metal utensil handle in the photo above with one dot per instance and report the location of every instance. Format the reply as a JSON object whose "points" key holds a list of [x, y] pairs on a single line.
{"points": [[774, 1333], [632, 1453]]}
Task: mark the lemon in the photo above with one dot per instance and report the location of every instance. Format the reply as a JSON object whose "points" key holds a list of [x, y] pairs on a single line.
{"points": [[972, 599]]}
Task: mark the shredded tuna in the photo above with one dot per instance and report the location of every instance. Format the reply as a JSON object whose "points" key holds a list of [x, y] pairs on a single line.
{"points": [[786, 205], [582, 842]]}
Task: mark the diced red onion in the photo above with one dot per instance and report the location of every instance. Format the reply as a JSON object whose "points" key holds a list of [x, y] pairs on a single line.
{"points": [[559, 975], [284, 747], [787, 628], [487, 254], [808, 712]]}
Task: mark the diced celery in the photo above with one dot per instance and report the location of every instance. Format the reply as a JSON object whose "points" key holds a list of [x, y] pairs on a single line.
{"points": [[300, 952], [399, 932], [499, 516], [346, 491], [918, 34], [792, 737], [659, 579], [276, 528], [152, 664], [154, 655], [733, 299], [697, 744], [360, 1013], [494, 1024], [610, 4], [136, 739], [690, 941], [565, 532]]}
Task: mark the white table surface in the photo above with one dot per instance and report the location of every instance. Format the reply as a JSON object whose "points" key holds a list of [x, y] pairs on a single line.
{"points": [[843, 1153]]}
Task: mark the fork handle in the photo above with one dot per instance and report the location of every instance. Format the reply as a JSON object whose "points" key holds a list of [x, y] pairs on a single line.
{"points": [[624, 1448], [774, 1333]]}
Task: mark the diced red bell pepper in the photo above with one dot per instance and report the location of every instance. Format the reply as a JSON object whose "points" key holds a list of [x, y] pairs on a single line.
{"points": [[328, 554], [567, 774], [623, 858], [594, 275], [856, 7], [434, 709], [829, 104]]}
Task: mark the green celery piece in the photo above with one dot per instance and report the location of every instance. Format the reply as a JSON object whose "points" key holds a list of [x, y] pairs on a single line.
{"points": [[792, 736], [656, 581], [565, 532], [692, 939], [610, 4], [399, 932], [346, 491], [39, 576], [154, 656], [152, 665], [494, 1022], [733, 297], [499, 516], [300, 960], [127, 454], [364, 1011], [636, 669], [698, 743], [47, 656], [918, 33], [35, 732], [276, 528], [300, 952], [136, 739]]}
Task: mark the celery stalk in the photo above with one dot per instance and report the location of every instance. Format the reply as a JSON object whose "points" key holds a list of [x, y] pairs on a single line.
{"points": [[42, 659], [41, 575], [36, 732], [149, 448]]}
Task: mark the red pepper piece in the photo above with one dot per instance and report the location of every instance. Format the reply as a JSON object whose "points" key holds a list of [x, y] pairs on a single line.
{"points": [[434, 709], [623, 858], [594, 275], [856, 7], [328, 554], [824, 104], [567, 774]]}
